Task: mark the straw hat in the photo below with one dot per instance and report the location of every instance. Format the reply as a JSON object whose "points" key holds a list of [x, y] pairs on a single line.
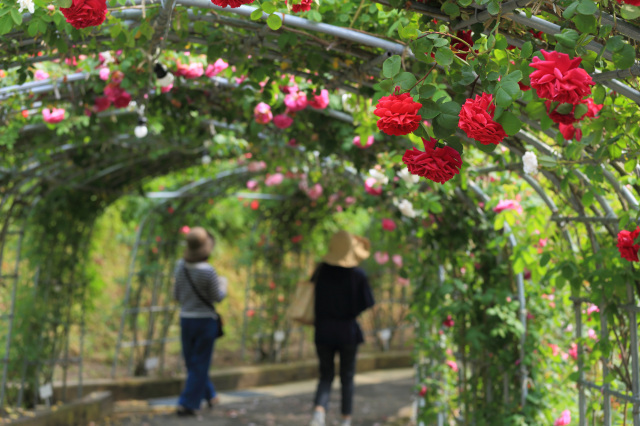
{"points": [[199, 245], [347, 250]]}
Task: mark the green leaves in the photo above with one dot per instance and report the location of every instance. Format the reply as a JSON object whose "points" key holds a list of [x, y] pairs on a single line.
{"points": [[507, 89], [391, 66], [624, 57], [444, 57], [510, 123], [587, 7], [568, 38], [274, 22]]}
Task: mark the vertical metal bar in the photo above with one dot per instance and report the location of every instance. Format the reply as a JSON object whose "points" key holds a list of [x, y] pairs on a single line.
{"points": [[5, 367], [633, 337], [604, 335], [123, 318], [247, 293], [82, 332]]}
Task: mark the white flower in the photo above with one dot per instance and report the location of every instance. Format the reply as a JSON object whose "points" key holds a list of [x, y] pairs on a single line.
{"points": [[206, 160], [406, 208], [167, 80], [26, 4], [530, 162], [408, 177], [380, 177]]}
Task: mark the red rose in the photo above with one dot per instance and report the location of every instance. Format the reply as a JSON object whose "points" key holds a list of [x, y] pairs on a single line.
{"points": [[476, 119], [101, 104], [631, 2], [629, 250], [523, 87], [398, 114], [537, 34], [569, 132], [436, 164], [594, 109], [559, 79], [463, 49], [303, 6], [562, 118], [123, 100], [85, 13], [231, 3]]}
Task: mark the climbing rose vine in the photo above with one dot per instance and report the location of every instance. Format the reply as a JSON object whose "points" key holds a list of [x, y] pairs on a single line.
{"points": [[436, 164], [398, 114]]}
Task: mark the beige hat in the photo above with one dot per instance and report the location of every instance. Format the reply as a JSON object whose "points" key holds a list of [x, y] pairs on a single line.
{"points": [[199, 245], [347, 250]]}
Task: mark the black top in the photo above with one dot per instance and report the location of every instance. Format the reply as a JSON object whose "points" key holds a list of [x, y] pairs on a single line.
{"points": [[341, 295]]}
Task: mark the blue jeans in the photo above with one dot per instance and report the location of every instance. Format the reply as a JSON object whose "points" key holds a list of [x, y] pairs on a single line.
{"points": [[198, 336]]}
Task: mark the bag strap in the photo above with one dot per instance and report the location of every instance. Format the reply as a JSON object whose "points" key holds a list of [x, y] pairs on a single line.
{"points": [[195, 290]]}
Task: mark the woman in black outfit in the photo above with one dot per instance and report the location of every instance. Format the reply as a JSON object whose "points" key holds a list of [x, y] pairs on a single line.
{"points": [[342, 292]]}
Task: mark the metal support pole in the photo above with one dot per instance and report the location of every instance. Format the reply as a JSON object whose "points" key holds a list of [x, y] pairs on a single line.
{"points": [[633, 343]]}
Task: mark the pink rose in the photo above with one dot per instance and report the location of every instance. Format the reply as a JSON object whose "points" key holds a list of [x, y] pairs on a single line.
{"points": [[216, 68], [452, 365], [104, 74], [256, 166], [241, 79], [274, 179], [320, 101], [262, 113], [191, 71], [185, 229], [252, 185], [573, 351], [166, 89], [41, 75], [315, 191], [282, 121], [54, 115], [372, 187], [349, 200], [381, 257], [564, 419], [388, 225], [397, 260], [403, 281], [356, 142], [449, 322], [508, 205], [296, 101]]}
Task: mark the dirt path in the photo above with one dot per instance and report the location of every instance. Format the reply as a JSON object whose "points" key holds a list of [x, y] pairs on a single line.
{"points": [[379, 395]]}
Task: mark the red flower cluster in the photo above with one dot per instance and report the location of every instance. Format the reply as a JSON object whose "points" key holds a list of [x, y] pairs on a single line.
{"points": [[436, 164], [559, 79], [231, 3], [398, 114], [85, 13], [303, 6], [113, 94], [476, 119], [629, 250]]}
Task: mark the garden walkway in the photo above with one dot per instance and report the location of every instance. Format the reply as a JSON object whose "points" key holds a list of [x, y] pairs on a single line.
{"points": [[379, 396]]}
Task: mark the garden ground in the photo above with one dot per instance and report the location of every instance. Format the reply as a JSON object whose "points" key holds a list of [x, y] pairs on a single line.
{"points": [[379, 397]]}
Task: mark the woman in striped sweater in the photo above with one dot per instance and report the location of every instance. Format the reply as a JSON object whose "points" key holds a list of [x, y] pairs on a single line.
{"points": [[197, 287]]}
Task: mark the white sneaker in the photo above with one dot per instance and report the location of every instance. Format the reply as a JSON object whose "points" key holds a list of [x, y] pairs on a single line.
{"points": [[317, 419]]}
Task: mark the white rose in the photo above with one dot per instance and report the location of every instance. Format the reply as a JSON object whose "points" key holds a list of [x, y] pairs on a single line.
{"points": [[406, 208], [206, 160], [26, 4], [408, 177], [530, 162], [380, 177]]}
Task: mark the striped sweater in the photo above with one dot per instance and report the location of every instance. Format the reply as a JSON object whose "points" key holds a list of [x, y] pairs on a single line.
{"points": [[206, 281]]}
